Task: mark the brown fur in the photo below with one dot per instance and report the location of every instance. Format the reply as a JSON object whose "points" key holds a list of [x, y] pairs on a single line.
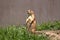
{"points": [[31, 21]]}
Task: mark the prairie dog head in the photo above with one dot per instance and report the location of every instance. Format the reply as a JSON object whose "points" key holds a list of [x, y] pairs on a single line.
{"points": [[30, 12]]}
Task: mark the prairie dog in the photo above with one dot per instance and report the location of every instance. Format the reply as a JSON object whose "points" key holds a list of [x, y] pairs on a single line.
{"points": [[31, 21]]}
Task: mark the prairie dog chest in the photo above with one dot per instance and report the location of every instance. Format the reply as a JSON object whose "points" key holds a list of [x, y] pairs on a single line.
{"points": [[31, 17]]}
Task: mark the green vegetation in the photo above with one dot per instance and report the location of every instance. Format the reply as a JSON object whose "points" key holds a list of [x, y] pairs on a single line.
{"points": [[55, 25], [13, 32]]}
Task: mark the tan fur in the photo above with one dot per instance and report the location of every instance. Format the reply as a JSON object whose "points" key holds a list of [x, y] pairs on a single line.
{"points": [[30, 18]]}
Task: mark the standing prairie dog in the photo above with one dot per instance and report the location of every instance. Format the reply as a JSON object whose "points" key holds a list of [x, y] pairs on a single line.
{"points": [[31, 21]]}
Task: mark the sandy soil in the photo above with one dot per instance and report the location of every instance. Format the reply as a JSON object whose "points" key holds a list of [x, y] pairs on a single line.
{"points": [[52, 34]]}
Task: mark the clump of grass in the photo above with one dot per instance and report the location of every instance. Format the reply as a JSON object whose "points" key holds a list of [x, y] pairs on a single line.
{"points": [[13, 32], [49, 26]]}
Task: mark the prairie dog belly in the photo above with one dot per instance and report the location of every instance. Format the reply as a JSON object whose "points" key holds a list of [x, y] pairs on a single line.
{"points": [[31, 24]]}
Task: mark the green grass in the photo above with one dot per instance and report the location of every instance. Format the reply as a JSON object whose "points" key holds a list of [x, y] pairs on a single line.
{"points": [[55, 25], [13, 32]]}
